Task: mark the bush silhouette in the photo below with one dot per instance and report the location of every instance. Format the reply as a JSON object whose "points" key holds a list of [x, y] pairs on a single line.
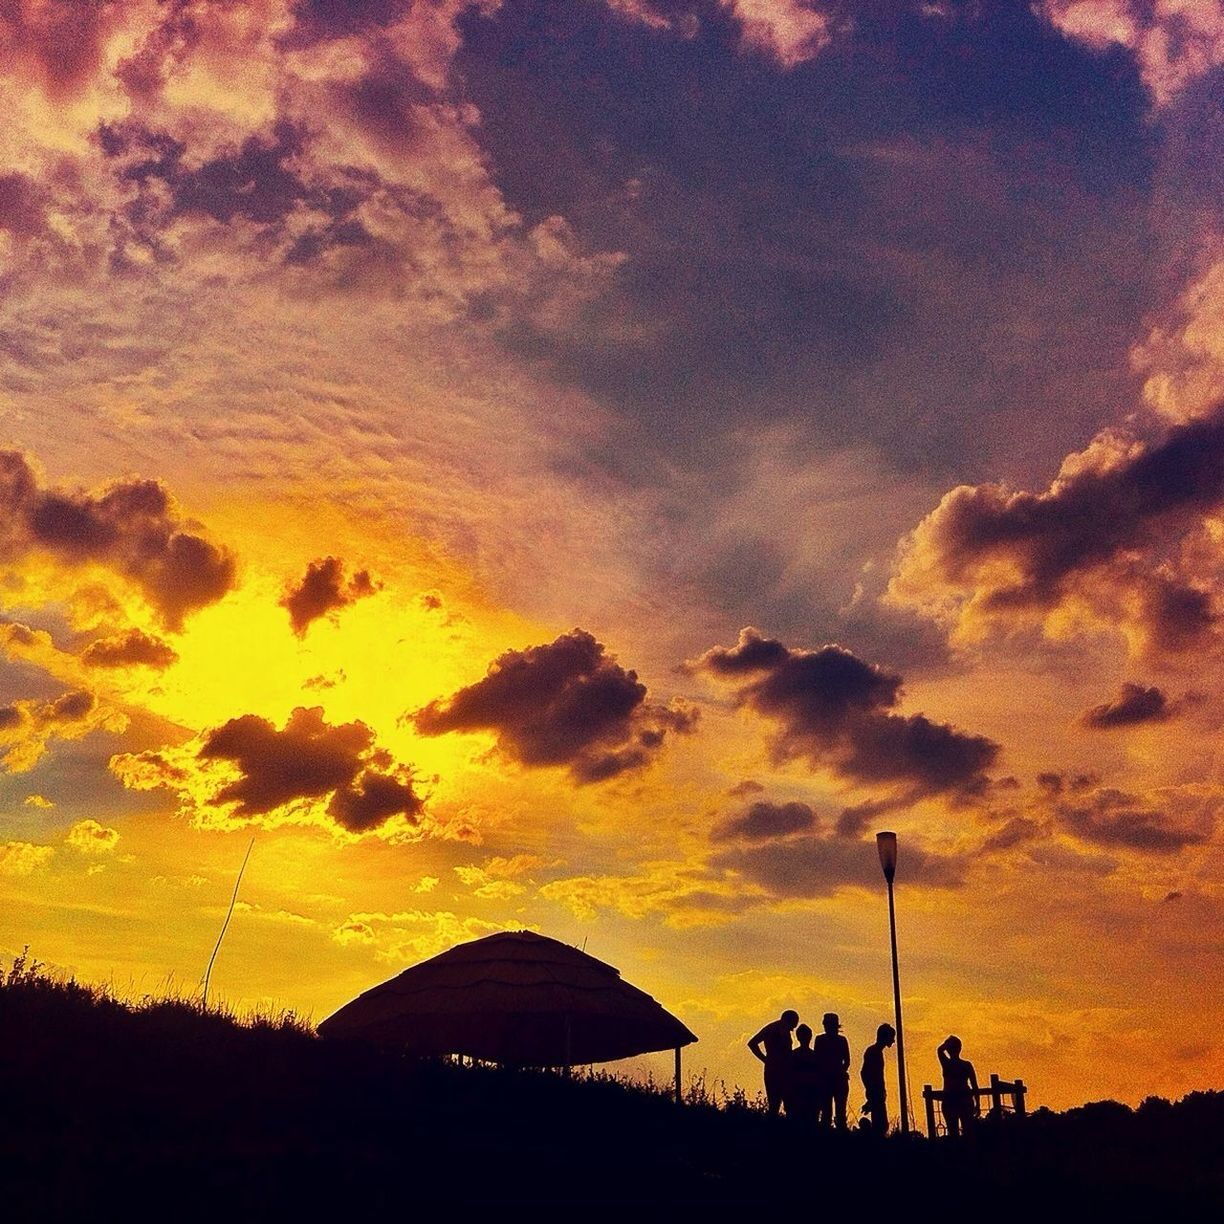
{"points": [[113, 1109]]}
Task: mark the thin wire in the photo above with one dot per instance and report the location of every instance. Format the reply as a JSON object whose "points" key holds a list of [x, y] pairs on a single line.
{"points": [[225, 925]]}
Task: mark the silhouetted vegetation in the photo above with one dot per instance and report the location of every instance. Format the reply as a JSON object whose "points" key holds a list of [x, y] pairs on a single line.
{"points": [[111, 1109]]}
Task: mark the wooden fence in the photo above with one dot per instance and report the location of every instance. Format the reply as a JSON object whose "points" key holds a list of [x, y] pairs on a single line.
{"points": [[996, 1093]]}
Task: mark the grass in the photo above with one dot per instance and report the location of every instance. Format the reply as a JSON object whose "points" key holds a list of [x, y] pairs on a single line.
{"points": [[127, 1109]]}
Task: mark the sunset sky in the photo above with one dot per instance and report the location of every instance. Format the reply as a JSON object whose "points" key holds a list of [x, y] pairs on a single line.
{"points": [[588, 465]]}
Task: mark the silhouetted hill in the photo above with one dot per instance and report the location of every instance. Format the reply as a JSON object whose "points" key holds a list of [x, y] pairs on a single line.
{"points": [[109, 1111]]}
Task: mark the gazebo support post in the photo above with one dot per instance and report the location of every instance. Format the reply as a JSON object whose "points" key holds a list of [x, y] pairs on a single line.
{"points": [[679, 1088]]}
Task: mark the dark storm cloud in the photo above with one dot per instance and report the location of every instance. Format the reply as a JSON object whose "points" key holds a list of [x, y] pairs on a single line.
{"points": [[132, 527], [22, 206], [1101, 530], [766, 821], [849, 241], [833, 709], [372, 799], [255, 181], [70, 707], [59, 46], [1115, 818], [1133, 704], [323, 589], [252, 181], [820, 866], [1163, 823], [309, 759], [853, 821], [322, 20], [134, 648], [565, 703]]}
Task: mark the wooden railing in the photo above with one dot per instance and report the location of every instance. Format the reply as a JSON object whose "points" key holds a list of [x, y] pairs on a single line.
{"points": [[995, 1093]]}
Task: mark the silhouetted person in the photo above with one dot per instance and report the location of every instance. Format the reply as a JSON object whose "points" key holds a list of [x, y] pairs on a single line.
{"points": [[804, 1099], [960, 1103], [776, 1038], [832, 1052], [872, 1076]]}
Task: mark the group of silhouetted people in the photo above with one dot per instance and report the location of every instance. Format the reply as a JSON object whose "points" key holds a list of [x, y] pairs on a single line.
{"points": [[811, 1080]]}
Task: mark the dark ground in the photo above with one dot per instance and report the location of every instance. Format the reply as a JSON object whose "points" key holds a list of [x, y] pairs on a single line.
{"points": [[167, 1112]]}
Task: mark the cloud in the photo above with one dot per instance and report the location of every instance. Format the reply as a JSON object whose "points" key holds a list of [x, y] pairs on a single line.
{"points": [[412, 935], [834, 710], [1134, 704], [131, 527], [1173, 41], [23, 858], [566, 703], [765, 821], [1182, 357], [28, 726], [1163, 822], [790, 32], [309, 759], [683, 895], [1118, 538], [133, 648], [323, 590], [819, 866], [90, 837]]}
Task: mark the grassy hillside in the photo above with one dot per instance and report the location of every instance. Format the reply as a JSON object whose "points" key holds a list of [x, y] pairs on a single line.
{"points": [[118, 1111]]}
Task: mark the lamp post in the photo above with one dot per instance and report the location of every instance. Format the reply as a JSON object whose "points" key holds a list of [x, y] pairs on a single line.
{"points": [[886, 844]]}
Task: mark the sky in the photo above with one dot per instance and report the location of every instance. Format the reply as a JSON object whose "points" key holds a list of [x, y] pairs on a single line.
{"points": [[588, 466]]}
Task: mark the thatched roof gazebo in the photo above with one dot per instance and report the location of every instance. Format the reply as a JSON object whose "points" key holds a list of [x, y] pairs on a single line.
{"points": [[517, 998]]}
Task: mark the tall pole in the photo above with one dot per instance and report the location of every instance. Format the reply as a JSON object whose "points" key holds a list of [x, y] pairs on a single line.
{"points": [[886, 844], [892, 931]]}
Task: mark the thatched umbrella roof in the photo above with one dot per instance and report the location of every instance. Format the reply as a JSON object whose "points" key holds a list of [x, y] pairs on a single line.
{"points": [[515, 997]]}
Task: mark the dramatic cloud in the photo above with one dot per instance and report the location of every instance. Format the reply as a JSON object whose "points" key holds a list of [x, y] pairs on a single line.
{"points": [[789, 31], [818, 866], [1182, 358], [1133, 704], [28, 726], [1174, 41], [90, 837], [132, 527], [1106, 816], [323, 590], [310, 759], [23, 858], [834, 710], [134, 648], [1118, 538], [765, 821], [567, 703]]}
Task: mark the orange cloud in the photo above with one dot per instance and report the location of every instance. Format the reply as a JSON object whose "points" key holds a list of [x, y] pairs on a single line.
{"points": [[565, 703], [132, 528], [27, 727], [836, 711], [1100, 545], [1174, 41], [90, 837], [323, 591]]}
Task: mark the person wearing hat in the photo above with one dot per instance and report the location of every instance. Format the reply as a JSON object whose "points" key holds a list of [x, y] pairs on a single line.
{"points": [[832, 1052], [872, 1076]]}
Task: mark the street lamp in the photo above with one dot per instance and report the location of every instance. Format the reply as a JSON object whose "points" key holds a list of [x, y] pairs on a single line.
{"points": [[886, 844]]}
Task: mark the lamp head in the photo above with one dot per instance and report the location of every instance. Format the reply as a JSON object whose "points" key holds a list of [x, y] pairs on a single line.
{"points": [[886, 844]]}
